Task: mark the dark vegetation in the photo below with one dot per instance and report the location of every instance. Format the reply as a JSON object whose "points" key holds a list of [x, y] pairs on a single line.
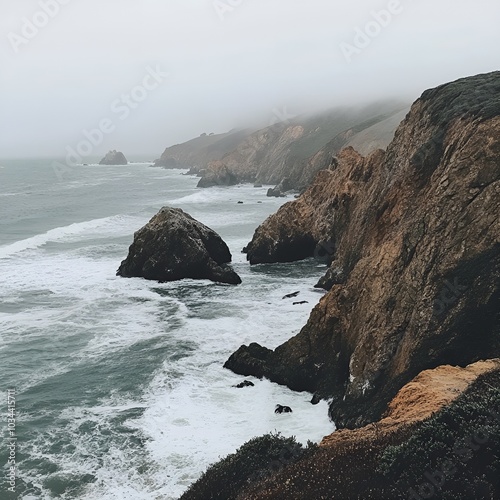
{"points": [[454, 455], [456, 452], [254, 461]]}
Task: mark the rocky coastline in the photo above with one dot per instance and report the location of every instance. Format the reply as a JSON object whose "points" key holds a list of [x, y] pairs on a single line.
{"points": [[406, 341], [438, 438], [288, 154], [412, 236]]}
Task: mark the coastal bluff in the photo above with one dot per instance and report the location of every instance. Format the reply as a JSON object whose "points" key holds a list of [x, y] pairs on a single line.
{"points": [[411, 236]]}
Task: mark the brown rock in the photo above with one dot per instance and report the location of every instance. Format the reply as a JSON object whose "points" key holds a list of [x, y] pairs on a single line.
{"points": [[218, 174], [414, 239], [418, 400]]}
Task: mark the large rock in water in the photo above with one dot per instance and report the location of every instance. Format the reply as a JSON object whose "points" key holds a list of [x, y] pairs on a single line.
{"points": [[413, 241], [174, 246], [217, 174], [114, 158]]}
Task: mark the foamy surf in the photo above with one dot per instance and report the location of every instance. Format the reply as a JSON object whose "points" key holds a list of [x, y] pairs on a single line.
{"points": [[120, 381], [117, 225]]}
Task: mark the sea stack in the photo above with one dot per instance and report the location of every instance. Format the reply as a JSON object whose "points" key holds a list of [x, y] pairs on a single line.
{"points": [[174, 246], [114, 158]]}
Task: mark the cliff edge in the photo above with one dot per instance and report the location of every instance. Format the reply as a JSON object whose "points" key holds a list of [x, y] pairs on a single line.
{"points": [[412, 239]]}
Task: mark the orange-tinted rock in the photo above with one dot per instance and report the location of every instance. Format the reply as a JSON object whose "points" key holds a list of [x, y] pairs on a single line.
{"points": [[414, 242], [418, 400]]}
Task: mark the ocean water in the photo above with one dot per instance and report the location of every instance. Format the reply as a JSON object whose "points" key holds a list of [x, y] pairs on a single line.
{"points": [[120, 388]]}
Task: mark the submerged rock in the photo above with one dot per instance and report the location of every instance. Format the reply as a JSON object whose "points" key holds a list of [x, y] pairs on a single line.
{"points": [[245, 383], [114, 158], [282, 409], [174, 246]]}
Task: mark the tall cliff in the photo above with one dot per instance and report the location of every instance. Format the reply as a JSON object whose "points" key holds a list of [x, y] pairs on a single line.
{"points": [[293, 150], [200, 151], [412, 238], [296, 149]]}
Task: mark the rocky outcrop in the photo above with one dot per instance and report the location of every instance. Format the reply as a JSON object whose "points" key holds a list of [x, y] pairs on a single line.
{"points": [[174, 246], [114, 158], [412, 238], [197, 153], [284, 187], [418, 400], [303, 228], [218, 175]]}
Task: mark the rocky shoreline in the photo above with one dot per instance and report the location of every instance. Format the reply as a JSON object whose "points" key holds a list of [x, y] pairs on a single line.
{"points": [[438, 438], [413, 239], [403, 342]]}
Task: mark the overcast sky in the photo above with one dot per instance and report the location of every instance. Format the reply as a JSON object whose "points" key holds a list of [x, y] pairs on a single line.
{"points": [[92, 63]]}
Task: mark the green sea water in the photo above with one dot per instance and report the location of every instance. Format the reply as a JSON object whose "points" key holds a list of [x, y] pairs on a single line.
{"points": [[120, 390]]}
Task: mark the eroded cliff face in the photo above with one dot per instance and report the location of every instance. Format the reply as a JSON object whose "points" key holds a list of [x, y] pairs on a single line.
{"points": [[298, 148], [413, 240], [199, 152]]}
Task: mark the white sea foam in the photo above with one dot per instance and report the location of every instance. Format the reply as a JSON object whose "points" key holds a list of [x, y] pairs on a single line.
{"points": [[115, 225], [66, 300], [200, 196], [194, 420]]}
